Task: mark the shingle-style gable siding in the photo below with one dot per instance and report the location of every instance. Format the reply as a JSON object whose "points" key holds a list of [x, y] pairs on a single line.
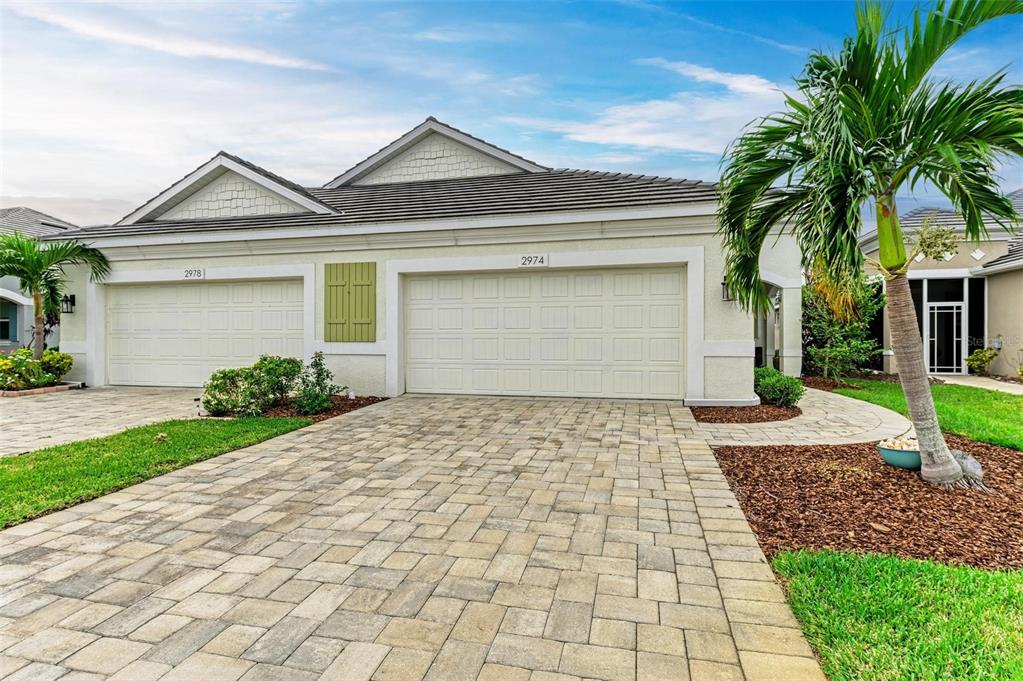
{"points": [[436, 158], [231, 195]]}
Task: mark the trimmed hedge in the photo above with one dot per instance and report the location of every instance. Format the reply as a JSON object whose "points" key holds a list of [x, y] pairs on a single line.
{"points": [[774, 387]]}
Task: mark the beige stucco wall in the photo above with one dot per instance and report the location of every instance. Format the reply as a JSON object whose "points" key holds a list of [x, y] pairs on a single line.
{"points": [[726, 377], [436, 157], [962, 258], [1005, 319]]}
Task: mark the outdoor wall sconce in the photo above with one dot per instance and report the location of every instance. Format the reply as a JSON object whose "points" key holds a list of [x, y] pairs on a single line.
{"points": [[67, 304], [726, 295]]}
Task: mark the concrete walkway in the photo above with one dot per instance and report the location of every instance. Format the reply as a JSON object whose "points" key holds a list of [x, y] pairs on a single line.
{"points": [[56, 418], [827, 418], [984, 382], [438, 538]]}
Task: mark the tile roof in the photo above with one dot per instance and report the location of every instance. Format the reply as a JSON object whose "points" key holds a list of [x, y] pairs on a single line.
{"points": [[517, 193], [31, 222], [947, 217], [1015, 254]]}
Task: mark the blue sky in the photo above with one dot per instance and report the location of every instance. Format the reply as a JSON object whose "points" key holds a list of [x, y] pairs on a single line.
{"points": [[104, 104]]}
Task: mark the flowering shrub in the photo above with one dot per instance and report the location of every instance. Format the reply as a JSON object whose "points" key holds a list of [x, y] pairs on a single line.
{"points": [[21, 371]]}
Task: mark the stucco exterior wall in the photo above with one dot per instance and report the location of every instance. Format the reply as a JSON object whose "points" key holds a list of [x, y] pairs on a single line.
{"points": [[434, 158], [230, 195], [1005, 319], [728, 330], [963, 257]]}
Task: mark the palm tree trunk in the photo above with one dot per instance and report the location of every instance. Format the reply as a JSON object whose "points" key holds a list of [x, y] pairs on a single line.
{"points": [[38, 331], [938, 466]]}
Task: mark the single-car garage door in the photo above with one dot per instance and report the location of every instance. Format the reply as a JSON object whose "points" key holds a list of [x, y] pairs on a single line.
{"points": [[594, 333], [178, 334]]}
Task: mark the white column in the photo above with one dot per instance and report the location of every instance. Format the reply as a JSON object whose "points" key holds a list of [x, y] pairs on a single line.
{"points": [[791, 319]]}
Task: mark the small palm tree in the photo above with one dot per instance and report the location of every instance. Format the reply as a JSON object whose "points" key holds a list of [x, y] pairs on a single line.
{"points": [[868, 122], [40, 272]]}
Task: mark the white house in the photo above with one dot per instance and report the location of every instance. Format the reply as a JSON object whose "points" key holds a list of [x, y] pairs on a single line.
{"points": [[440, 264], [16, 309]]}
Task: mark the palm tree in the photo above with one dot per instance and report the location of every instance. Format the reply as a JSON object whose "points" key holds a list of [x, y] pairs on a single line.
{"points": [[40, 271], [866, 123]]}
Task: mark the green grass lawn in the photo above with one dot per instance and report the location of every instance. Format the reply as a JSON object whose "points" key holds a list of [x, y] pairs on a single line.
{"points": [[976, 413], [57, 477], [881, 618]]}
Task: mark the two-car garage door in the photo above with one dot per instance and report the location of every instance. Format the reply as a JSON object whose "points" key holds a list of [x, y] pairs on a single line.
{"points": [[586, 332], [178, 334]]}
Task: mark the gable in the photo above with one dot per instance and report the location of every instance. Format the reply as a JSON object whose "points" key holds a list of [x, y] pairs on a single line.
{"points": [[433, 151], [230, 195], [436, 157]]}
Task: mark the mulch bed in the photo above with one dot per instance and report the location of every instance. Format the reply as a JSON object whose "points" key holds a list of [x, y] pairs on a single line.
{"points": [[758, 414], [843, 497], [341, 405], [829, 384], [821, 383]]}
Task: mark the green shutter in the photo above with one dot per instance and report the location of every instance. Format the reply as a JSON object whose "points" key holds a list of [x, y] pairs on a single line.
{"points": [[350, 314]]}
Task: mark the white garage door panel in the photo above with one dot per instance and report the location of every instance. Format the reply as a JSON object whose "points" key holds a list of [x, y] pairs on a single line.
{"points": [[600, 333], [178, 334]]}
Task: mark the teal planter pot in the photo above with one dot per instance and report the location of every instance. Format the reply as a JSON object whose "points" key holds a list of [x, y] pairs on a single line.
{"points": [[902, 458]]}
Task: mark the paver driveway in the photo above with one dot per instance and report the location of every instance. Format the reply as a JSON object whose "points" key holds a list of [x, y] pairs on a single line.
{"points": [[424, 537], [56, 418]]}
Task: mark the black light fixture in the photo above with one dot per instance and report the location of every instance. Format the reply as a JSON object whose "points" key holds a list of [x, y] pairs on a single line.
{"points": [[726, 295], [67, 304]]}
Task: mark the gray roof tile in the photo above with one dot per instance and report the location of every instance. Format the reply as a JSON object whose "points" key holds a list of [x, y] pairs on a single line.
{"points": [[31, 222], [518, 193]]}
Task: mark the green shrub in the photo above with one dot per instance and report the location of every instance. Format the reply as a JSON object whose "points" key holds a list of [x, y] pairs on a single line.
{"points": [[774, 387], [277, 376], [234, 392], [842, 355], [57, 363], [837, 347], [21, 371], [316, 385], [980, 359]]}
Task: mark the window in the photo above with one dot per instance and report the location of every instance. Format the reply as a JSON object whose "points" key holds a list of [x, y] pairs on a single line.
{"points": [[944, 290], [5, 328]]}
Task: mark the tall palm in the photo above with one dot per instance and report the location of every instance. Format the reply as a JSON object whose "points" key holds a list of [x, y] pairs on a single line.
{"points": [[40, 271], [867, 122]]}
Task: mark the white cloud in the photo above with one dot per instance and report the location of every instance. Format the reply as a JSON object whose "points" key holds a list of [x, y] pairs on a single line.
{"points": [[688, 121], [152, 37], [747, 83]]}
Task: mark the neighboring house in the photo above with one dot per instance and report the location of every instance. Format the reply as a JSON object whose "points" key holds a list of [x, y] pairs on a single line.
{"points": [[16, 314], [1005, 303], [440, 264], [972, 299]]}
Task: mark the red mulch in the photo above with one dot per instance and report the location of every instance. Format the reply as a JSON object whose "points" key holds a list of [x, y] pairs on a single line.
{"points": [[821, 383], [829, 384], [758, 414], [341, 405], [843, 497]]}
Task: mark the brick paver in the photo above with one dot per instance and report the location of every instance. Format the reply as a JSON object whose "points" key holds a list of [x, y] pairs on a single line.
{"points": [[827, 419], [57, 418], [437, 538]]}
